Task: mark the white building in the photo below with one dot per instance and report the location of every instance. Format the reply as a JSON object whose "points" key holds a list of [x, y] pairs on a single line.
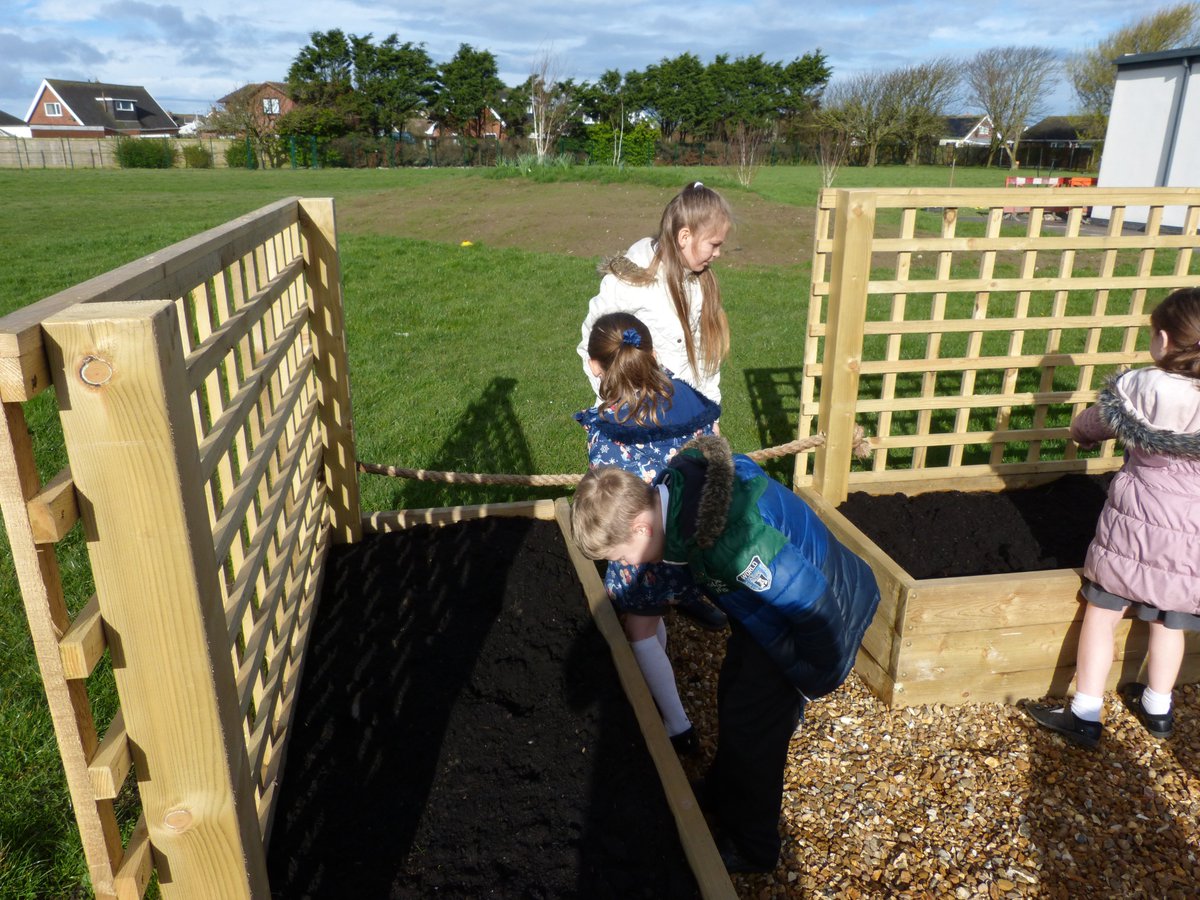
{"points": [[1153, 137]]}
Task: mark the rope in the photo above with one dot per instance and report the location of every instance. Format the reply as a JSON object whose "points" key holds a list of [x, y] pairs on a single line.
{"points": [[861, 449]]}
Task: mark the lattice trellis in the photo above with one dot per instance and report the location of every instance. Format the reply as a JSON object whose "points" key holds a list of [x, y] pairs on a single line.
{"points": [[963, 338], [205, 409]]}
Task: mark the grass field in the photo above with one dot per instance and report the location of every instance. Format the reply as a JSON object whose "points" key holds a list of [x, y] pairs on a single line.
{"points": [[460, 357]]}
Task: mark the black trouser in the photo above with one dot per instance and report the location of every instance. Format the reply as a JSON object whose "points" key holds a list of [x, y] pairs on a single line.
{"points": [[758, 709]]}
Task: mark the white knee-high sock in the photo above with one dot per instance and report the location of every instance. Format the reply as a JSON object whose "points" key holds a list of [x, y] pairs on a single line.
{"points": [[660, 678], [661, 633]]}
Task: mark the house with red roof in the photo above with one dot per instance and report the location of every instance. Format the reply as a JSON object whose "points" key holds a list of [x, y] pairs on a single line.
{"points": [[92, 109]]}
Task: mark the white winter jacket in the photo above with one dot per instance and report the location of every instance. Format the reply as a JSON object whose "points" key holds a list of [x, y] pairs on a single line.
{"points": [[652, 304]]}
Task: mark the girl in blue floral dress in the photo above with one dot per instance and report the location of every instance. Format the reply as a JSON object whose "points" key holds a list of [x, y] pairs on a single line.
{"points": [[642, 420]]}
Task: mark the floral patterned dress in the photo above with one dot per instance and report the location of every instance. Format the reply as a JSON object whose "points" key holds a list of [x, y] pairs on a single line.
{"points": [[645, 451]]}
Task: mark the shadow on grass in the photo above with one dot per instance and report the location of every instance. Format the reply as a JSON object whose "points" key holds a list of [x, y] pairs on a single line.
{"points": [[487, 439], [775, 404]]}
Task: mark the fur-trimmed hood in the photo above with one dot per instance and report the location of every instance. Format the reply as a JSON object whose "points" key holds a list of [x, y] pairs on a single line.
{"points": [[623, 267], [1132, 405], [717, 492]]}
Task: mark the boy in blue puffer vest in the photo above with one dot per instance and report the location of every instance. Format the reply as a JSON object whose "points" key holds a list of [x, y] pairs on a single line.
{"points": [[798, 604]]}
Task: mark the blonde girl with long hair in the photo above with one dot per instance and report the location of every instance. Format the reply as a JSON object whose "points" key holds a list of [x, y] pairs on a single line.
{"points": [[667, 282]]}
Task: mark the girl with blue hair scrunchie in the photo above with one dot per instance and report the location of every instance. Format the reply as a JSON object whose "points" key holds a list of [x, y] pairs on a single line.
{"points": [[668, 282], [643, 417]]}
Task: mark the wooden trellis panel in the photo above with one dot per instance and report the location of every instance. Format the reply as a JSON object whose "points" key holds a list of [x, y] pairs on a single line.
{"points": [[963, 339], [204, 401]]}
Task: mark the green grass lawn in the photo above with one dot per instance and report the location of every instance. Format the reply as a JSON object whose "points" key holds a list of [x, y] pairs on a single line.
{"points": [[460, 358]]}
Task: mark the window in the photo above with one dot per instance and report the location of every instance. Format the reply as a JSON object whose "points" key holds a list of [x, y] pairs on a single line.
{"points": [[54, 109], [124, 105], [270, 106]]}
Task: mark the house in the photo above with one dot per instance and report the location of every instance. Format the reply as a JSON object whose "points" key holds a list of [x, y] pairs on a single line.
{"points": [[965, 132], [493, 127], [190, 124], [1055, 143], [11, 126], [265, 102], [1153, 137], [93, 109]]}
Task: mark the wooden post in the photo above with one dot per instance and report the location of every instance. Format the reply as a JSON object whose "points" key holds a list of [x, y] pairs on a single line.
{"points": [[128, 427], [323, 273], [854, 226], [46, 610]]}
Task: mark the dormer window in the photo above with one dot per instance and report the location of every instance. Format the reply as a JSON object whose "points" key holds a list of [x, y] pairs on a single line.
{"points": [[270, 106], [124, 105], [54, 109]]}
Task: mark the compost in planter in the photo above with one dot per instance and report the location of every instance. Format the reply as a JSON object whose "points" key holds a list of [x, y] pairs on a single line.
{"points": [[461, 732], [943, 534]]}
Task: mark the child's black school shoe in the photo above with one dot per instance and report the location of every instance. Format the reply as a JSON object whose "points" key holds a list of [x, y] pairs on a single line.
{"points": [[686, 743], [1061, 719], [1161, 727], [703, 613], [736, 863]]}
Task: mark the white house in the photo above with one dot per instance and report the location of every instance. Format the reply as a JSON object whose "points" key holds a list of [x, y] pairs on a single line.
{"points": [[1153, 137], [11, 126]]}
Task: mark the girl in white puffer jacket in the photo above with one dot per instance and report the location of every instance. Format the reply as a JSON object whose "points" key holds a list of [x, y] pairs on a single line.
{"points": [[667, 283], [1145, 558]]}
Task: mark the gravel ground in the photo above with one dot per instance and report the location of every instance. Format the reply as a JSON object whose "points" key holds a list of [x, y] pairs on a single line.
{"points": [[968, 801]]}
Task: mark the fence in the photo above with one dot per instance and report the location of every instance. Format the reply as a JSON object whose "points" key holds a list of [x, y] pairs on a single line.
{"points": [[964, 343], [86, 153], [205, 409]]}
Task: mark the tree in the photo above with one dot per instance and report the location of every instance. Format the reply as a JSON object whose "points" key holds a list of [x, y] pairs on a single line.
{"points": [[866, 108], [678, 94], [552, 104], [802, 82], [605, 100], [923, 92], [1011, 85], [1093, 74], [468, 86], [241, 115], [322, 72], [748, 93], [398, 80]]}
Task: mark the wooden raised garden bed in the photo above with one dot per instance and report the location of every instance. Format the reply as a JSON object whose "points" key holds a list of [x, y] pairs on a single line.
{"points": [[206, 418], [963, 342]]}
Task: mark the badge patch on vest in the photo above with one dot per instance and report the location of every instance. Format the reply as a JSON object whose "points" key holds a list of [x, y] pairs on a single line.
{"points": [[756, 576]]}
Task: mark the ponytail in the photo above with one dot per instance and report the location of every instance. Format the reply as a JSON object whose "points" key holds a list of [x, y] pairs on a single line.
{"points": [[633, 385]]}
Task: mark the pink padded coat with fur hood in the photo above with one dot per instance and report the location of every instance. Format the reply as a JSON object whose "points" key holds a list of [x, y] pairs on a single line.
{"points": [[1147, 544]]}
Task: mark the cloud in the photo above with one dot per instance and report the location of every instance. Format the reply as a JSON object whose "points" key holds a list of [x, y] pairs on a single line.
{"points": [[26, 62]]}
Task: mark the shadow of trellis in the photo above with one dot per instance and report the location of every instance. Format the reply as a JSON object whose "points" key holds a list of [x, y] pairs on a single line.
{"points": [[395, 640], [775, 404], [487, 439]]}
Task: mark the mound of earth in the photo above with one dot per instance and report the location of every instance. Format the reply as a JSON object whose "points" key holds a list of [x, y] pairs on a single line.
{"points": [[943, 534]]}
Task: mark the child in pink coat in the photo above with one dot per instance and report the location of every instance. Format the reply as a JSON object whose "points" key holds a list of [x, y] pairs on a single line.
{"points": [[1145, 558]]}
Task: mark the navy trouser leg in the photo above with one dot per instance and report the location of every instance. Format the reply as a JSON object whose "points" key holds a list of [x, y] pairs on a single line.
{"points": [[758, 709]]}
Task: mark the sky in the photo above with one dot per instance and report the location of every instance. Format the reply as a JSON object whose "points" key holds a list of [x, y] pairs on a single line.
{"points": [[190, 55]]}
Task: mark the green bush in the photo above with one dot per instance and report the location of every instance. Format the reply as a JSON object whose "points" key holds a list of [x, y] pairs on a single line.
{"points": [[637, 145], [197, 156], [145, 153], [238, 156]]}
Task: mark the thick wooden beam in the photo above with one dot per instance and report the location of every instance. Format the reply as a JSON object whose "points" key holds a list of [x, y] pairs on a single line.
{"points": [[128, 428]]}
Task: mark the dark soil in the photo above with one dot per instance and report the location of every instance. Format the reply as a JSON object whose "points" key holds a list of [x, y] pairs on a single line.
{"points": [[461, 732], [950, 533]]}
